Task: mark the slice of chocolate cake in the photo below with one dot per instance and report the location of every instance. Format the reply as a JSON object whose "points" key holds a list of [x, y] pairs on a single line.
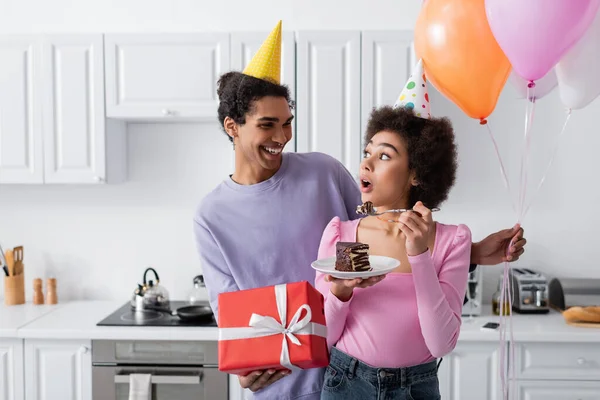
{"points": [[352, 257], [365, 208]]}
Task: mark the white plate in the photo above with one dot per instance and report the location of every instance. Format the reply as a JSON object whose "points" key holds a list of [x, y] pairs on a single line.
{"points": [[380, 265]]}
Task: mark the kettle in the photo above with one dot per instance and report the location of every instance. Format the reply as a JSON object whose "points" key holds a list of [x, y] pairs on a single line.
{"points": [[150, 295]]}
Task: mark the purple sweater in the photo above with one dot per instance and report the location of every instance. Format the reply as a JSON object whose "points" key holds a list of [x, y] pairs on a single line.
{"points": [[269, 233]]}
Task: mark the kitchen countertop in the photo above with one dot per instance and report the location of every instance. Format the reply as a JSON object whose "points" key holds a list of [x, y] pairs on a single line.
{"points": [[14, 317], [78, 319]]}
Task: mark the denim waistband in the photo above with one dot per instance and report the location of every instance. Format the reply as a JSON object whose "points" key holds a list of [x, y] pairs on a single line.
{"points": [[402, 377]]}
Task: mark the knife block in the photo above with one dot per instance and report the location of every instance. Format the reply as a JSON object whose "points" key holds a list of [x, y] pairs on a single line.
{"points": [[14, 290]]}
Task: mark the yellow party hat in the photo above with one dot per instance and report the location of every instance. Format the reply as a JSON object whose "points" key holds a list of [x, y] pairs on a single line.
{"points": [[266, 63]]}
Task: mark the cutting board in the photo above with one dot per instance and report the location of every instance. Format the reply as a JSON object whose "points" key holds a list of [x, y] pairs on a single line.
{"points": [[585, 324]]}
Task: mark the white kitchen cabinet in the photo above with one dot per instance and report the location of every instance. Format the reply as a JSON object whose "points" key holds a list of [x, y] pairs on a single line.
{"points": [[52, 119], [245, 44], [387, 62], [11, 369], [558, 390], [21, 151], [164, 76], [328, 95], [565, 361], [75, 137], [58, 369], [470, 372]]}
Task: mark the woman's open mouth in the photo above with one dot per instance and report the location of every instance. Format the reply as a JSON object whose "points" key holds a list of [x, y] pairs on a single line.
{"points": [[365, 185]]}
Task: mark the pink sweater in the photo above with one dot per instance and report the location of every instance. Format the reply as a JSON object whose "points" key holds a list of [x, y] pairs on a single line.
{"points": [[408, 318]]}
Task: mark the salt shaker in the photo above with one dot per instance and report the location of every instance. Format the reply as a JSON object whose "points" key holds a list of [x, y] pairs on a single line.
{"points": [[38, 296], [51, 291]]}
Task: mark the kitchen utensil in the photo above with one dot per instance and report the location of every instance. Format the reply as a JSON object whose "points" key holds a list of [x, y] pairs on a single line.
{"points": [[38, 296], [14, 290], [375, 213], [193, 313], [150, 295], [18, 257], [10, 262], [2, 259], [5, 269], [198, 293], [51, 297]]}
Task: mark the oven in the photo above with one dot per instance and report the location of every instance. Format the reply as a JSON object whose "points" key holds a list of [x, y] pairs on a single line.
{"points": [[180, 370]]}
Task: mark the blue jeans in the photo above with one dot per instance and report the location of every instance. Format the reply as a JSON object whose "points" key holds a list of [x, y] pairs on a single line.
{"points": [[347, 378]]}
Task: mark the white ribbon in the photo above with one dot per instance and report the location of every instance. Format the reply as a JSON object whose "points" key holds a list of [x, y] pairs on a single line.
{"points": [[261, 325]]}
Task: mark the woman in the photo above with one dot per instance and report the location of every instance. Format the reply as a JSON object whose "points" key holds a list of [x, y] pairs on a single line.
{"points": [[262, 225], [387, 337]]}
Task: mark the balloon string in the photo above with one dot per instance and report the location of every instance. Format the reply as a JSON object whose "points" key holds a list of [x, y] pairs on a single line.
{"points": [[554, 151], [505, 292], [529, 113], [502, 169]]}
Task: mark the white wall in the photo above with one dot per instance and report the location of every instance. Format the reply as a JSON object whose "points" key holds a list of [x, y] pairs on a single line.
{"points": [[202, 15], [98, 240]]}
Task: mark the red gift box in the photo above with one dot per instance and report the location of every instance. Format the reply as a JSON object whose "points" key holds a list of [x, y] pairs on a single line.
{"points": [[252, 336]]}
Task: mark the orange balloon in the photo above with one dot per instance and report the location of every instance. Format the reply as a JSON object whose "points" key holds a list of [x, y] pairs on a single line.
{"points": [[460, 54]]}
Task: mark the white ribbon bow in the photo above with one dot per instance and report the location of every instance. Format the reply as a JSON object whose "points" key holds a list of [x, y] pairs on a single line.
{"points": [[261, 325]]}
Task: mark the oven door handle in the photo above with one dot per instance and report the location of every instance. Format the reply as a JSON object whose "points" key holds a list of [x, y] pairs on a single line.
{"points": [[166, 379]]}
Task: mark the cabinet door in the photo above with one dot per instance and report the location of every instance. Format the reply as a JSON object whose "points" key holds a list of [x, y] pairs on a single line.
{"points": [[74, 131], [328, 93], [11, 369], [470, 372], [387, 62], [20, 111], [558, 390], [158, 76], [245, 44], [58, 369]]}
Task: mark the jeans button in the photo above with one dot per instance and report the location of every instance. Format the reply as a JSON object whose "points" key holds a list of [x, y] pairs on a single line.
{"points": [[382, 374]]}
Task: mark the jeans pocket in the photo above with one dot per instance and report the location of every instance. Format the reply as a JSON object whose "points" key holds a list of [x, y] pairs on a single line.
{"points": [[426, 389], [334, 378]]}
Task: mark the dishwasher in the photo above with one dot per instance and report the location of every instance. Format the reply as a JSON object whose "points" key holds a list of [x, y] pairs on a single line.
{"points": [[180, 370]]}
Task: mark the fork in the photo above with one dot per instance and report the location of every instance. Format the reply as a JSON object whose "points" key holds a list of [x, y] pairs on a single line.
{"points": [[399, 210], [368, 210]]}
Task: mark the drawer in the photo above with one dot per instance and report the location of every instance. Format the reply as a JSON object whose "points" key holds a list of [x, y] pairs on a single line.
{"points": [[558, 390], [568, 361]]}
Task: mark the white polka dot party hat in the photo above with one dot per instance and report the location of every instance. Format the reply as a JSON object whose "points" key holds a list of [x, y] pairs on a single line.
{"points": [[414, 96], [266, 63]]}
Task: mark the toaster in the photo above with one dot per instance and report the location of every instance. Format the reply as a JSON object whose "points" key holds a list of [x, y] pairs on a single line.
{"points": [[569, 292], [529, 291]]}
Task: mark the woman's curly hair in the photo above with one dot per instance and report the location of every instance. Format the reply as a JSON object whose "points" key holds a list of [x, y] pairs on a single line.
{"points": [[237, 93], [431, 150]]}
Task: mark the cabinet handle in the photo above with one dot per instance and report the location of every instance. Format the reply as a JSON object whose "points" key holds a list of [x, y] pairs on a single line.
{"points": [[98, 179], [165, 379], [581, 361], [83, 349], [167, 112]]}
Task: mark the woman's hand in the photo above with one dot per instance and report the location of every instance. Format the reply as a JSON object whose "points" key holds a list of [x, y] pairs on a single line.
{"points": [[416, 226], [343, 288]]}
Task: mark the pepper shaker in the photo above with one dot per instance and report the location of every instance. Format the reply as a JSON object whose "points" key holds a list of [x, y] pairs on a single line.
{"points": [[51, 297], [38, 296]]}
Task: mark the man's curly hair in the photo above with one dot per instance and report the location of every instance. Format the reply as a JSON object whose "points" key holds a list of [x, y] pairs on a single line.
{"points": [[237, 93], [431, 151]]}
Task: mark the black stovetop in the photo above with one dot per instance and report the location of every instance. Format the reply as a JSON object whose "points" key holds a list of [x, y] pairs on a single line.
{"points": [[126, 316]]}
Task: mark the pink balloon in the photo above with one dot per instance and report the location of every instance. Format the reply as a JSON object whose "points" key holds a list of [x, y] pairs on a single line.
{"points": [[534, 34]]}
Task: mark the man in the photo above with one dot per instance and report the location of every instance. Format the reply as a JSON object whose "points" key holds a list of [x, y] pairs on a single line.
{"points": [[262, 226]]}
